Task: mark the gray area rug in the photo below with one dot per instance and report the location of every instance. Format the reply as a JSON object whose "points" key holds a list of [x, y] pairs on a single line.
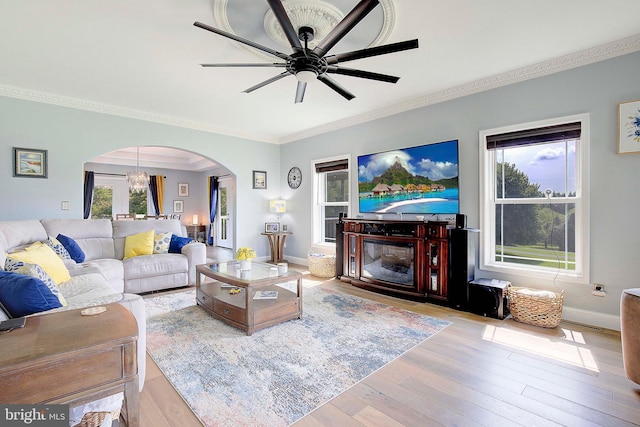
{"points": [[281, 373]]}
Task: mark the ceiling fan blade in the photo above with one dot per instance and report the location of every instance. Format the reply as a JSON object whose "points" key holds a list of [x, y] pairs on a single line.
{"points": [[245, 65], [356, 15], [241, 40], [302, 86], [266, 82], [335, 86], [372, 51], [281, 15], [362, 74]]}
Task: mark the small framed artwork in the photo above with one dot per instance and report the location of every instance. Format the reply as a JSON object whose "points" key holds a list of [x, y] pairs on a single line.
{"points": [[178, 206], [271, 227], [259, 180], [183, 189], [629, 127], [30, 163]]}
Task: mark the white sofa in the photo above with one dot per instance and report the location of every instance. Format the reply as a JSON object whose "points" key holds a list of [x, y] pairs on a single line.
{"points": [[104, 277]]}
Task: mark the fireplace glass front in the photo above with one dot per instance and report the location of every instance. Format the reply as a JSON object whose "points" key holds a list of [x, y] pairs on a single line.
{"points": [[388, 261]]}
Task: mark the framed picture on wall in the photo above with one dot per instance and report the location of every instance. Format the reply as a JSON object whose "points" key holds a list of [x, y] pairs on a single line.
{"points": [[178, 206], [629, 127], [183, 189], [29, 163], [260, 180]]}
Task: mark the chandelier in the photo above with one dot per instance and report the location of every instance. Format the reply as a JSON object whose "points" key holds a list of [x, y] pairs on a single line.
{"points": [[138, 181]]}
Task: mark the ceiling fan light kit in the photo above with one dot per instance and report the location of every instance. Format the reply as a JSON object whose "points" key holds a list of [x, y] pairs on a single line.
{"points": [[307, 62]]}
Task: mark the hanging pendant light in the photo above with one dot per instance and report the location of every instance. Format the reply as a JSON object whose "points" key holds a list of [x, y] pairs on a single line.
{"points": [[138, 181]]}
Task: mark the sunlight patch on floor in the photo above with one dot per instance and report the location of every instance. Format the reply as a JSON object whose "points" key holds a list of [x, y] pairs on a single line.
{"points": [[568, 349]]}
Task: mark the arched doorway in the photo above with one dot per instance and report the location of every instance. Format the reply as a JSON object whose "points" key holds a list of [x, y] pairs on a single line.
{"points": [[185, 196]]}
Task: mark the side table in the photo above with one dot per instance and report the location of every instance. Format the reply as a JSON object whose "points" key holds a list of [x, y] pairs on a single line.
{"points": [[276, 244], [193, 231], [67, 358]]}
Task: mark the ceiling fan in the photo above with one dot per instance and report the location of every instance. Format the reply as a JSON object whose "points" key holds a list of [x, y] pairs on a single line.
{"points": [[309, 64]]}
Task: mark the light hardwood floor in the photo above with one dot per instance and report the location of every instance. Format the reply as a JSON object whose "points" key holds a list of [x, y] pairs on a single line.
{"points": [[476, 372]]}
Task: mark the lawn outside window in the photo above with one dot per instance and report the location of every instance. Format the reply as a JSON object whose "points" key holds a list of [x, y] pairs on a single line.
{"points": [[535, 200]]}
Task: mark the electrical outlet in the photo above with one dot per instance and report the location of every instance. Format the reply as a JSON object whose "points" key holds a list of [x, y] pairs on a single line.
{"points": [[598, 290]]}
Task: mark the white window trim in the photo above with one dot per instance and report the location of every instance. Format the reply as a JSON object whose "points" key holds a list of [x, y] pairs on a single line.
{"points": [[488, 197], [317, 237]]}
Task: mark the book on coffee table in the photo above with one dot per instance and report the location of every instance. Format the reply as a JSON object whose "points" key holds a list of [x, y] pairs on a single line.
{"points": [[265, 295]]}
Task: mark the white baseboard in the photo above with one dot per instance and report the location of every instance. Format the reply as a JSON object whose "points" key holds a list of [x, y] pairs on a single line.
{"points": [[585, 317], [592, 318]]}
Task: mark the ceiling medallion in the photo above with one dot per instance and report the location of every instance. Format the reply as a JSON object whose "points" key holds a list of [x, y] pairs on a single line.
{"points": [[323, 14], [317, 14]]}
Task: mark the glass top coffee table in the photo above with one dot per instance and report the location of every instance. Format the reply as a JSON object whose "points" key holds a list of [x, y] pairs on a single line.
{"points": [[252, 299]]}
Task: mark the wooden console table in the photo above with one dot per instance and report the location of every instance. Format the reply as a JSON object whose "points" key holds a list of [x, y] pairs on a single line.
{"points": [[276, 244], [67, 358]]}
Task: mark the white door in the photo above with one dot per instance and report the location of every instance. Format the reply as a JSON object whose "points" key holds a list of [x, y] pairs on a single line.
{"points": [[224, 217]]}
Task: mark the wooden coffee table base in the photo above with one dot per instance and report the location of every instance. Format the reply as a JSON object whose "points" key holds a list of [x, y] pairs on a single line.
{"points": [[240, 309]]}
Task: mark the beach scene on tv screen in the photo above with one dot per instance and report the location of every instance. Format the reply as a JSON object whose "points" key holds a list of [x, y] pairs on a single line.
{"points": [[416, 180]]}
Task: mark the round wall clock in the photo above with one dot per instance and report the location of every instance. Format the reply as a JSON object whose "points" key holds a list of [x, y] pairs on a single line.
{"points": [[295, 177]]}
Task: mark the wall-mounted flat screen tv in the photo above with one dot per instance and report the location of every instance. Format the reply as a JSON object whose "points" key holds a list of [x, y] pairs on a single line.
{"points": [[416, 180]]}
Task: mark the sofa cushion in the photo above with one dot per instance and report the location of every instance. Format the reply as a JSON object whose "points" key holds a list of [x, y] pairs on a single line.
{"points": [[123, 228], [139, 244], [161, 242], [44, 256], [177, 242], [88, 290], [154, 265], [75, 252], [93, 236], [34, 270], [19, 233], [23, 295]]}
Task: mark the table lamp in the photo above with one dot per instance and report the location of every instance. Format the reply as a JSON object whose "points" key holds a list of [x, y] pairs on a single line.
{"points": [[278, 206]]}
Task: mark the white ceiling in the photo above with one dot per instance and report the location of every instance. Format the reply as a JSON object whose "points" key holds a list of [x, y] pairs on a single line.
{"points": [[141, 59]]}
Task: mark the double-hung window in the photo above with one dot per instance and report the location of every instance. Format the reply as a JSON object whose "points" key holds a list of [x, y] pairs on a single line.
{"points": [[331, 198], [534, 199]]}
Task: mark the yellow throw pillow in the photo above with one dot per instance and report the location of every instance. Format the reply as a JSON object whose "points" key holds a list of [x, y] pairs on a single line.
{"points": [[47, 259], [139, 244]]}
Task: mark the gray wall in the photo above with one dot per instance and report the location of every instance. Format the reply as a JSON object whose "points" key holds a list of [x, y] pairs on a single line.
{"points": [[73, 137], [595, 89]]}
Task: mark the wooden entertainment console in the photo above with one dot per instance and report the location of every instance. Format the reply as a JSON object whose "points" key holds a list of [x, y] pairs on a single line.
{"points": [[405, 258]]}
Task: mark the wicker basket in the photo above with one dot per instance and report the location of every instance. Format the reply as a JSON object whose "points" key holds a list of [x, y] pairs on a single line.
{"points": [[322, 266], [535, 307], [95, 419]]}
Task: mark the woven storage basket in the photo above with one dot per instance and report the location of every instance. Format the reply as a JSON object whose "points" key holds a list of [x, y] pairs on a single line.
{"points": [[95, 419], [534, 307], [322, 266]]}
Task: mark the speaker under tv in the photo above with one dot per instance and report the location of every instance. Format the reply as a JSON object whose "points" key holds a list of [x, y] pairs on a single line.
{"points": [[488, 297]]}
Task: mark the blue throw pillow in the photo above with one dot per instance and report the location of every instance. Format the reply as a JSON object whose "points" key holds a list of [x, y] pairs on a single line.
{"points": [[177, 242], [72, 247], [22, 295]]}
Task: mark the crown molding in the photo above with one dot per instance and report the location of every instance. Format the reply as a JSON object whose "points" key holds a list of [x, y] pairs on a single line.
{"points": [[556, 65], [578, 59], [114, 110]]}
